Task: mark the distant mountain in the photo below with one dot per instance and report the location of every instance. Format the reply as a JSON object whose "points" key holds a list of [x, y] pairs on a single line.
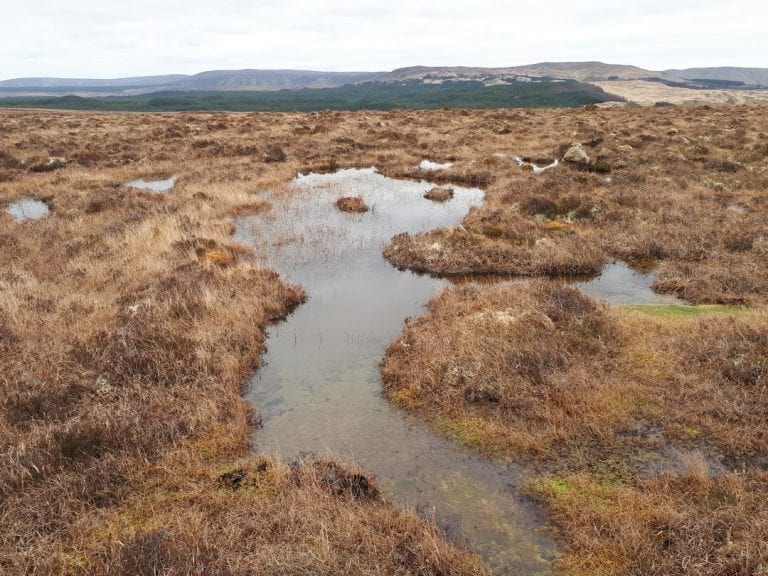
{"points": [[90, 83], [581, 71], [588, 71], [269, 80], [275, 80], [214, 80], [748, 76]]}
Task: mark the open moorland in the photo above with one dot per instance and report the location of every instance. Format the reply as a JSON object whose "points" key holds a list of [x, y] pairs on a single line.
{"points": [[130, 321], [648, 93]]}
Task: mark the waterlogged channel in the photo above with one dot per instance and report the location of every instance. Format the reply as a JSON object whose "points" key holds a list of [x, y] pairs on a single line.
{"points": [[319, 389]]}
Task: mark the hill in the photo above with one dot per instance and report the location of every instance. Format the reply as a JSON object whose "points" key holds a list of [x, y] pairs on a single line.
{"points": [[627, 82], [747, 76], [269, 80], [91, 82], [212, 80], [580, 71]]}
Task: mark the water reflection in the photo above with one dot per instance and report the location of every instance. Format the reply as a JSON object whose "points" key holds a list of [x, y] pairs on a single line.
{"points": [[320, 389], [28, 209], [158, 186]]}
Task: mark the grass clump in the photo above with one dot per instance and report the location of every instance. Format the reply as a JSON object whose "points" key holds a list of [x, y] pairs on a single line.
{"points": [[513, 366], [671, 524], [439, 194], [462, 251], [353, 204]]}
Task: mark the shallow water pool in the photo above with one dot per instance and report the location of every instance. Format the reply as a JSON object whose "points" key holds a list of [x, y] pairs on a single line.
{"points": [[28, 209], [319, 388], [158, 186]]}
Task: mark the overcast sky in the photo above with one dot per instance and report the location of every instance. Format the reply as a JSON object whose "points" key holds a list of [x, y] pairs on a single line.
{"points": [[102, 39]]}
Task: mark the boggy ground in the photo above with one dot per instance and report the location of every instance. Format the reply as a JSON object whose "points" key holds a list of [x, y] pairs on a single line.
{"points": [[684, 189], [129, 321], [647, 425]]}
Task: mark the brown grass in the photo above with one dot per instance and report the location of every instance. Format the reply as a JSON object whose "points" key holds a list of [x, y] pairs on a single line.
{"points": [[516, 357], [602, 397], [682, 188], [129, 322], [546, 367], [354, 204], [688, 523], [439, 194], [465, 251]]}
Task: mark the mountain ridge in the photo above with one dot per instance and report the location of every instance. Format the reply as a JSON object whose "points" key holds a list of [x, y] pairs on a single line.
{"points": [[747, 76], [251, 79], [581, 71]]}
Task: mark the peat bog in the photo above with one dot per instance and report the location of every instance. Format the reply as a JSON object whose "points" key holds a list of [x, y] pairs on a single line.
{"points": [[628, 415]]}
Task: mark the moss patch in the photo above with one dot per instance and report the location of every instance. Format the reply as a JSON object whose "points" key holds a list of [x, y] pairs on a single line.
{"points": [[672, 310]]}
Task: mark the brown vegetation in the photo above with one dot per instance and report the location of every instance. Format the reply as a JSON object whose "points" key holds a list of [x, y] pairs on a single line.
{"points": [[129, 321], [600, 397], [682, 188], [439, 194], [354, 204], [688, 523], [546, 367]]}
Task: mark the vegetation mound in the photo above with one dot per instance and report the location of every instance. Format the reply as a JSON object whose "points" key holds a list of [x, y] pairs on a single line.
{"points": [[353, 204], [439, 194]]}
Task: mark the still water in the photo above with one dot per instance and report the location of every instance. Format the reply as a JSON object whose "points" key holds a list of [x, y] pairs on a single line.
{"points": [[319, 389]]}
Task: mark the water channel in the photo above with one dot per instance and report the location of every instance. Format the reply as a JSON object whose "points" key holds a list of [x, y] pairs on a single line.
{"points": [[319, 389]]}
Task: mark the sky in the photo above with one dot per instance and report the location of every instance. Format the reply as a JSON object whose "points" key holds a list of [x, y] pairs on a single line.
{"points": [[103, 39]]}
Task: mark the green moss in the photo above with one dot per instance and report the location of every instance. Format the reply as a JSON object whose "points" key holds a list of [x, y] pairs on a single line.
{"points": [[682, 432], [557, 485], [472, 432], [672, 310], [612, 472], [581, 491]]}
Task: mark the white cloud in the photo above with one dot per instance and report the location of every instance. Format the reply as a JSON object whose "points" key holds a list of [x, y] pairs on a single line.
{"points": [[88, 38]]}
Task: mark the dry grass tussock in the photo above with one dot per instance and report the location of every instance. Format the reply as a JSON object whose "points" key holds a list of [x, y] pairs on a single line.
{"points": [[688, 523], [600, 397], [439, 194], [129, 321], [351, 204]]}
